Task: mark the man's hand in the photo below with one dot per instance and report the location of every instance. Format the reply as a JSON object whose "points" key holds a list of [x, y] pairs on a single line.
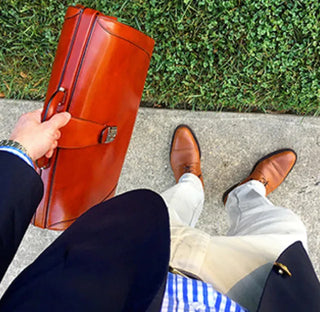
{"points": [[39, 138]]}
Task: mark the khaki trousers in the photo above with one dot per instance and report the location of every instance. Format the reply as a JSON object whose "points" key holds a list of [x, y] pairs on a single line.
{"points": [[238, 263]]}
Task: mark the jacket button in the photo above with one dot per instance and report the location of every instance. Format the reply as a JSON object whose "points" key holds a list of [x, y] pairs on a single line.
{"points": [[281, 269]]}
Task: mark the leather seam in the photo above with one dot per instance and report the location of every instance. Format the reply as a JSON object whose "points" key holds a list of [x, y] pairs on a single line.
{"points": [[45, 221], [64, 221], [106, 30], [66, 62], [72, 16], [82, 57]]}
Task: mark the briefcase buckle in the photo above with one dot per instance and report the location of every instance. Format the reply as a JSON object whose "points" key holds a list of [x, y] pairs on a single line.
{"points": [[108, 134]]}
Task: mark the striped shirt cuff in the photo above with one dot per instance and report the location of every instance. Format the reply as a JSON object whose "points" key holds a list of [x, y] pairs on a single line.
{"points": [[18, 153]]}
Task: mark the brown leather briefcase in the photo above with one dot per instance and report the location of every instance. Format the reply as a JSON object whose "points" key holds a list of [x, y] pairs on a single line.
{"points": [[98, 76]]}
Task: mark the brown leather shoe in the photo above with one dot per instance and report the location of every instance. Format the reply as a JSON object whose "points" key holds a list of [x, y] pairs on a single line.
{"points": [[270, 170], [185, 153]]}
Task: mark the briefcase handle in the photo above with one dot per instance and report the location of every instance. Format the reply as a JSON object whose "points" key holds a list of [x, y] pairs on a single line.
{"points": [[56, 100], [78, 133]]}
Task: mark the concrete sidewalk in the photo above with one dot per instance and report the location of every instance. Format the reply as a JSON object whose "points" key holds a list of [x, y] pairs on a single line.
{"points": [[231, 143]]}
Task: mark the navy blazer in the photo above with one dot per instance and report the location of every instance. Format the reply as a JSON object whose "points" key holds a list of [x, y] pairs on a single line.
{"points": [[113, 258]]}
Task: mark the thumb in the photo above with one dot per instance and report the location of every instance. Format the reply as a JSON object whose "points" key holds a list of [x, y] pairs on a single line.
{"points": [[59, 120]]}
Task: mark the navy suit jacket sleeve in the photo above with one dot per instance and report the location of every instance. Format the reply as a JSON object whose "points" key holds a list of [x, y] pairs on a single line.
{"points": [[21, 190]]}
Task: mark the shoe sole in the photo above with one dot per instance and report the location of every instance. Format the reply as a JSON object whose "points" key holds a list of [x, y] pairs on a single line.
{"points": [[194, 136], [225, 194]]}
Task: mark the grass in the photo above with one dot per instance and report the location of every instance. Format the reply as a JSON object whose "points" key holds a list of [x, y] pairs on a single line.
{"points": [[260, 55]]}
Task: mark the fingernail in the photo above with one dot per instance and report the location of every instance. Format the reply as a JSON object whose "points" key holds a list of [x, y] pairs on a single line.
{"points": [[67, 114]]}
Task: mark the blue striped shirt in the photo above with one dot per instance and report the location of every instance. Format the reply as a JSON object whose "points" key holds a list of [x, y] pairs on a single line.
{"points": [[186, 294]]}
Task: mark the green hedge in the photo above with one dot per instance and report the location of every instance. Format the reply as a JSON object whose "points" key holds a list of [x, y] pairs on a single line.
{"points": [[209, 55]]}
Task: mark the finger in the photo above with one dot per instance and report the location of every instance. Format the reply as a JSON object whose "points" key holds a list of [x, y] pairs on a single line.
{"points": [[57, 135], [59, 120], [51, 150], [49, 153]]}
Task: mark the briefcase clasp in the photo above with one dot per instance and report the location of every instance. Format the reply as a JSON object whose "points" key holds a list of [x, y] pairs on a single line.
{"points": [[108, 134]]}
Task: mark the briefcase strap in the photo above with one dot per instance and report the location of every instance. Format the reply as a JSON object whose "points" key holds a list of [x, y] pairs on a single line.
{"points": [[79, 133]]}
